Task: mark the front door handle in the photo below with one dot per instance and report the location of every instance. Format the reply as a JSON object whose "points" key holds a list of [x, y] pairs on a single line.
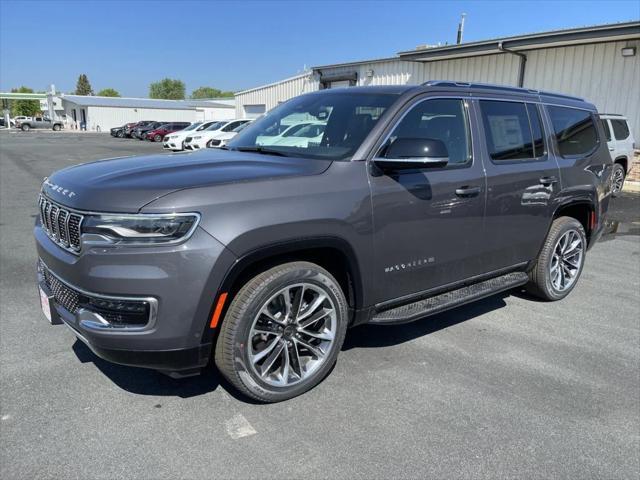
{"points": [[467, 191], [548, 181]]}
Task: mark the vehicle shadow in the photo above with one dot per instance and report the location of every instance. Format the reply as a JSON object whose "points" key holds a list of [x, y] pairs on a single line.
{"points": [[377, 336]]}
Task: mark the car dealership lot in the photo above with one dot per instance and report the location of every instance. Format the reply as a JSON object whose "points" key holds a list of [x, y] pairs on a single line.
{"points": [[504, 387]]}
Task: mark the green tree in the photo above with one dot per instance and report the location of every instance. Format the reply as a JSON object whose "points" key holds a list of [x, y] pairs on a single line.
{"points": [[28, 108], [209, 92], [83, 87], [168, 89], [108, 92]]}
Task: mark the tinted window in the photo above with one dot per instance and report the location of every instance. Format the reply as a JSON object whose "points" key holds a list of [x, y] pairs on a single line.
{"points": [[620, 129], [607, 130], [348, 119], [438, 119], [512, 129], [574, 129]]}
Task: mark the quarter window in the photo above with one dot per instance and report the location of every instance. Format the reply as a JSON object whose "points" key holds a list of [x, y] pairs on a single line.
{"points": [[574, 130], [438, 119], [513, 130], [620, 129], [607, 130]]}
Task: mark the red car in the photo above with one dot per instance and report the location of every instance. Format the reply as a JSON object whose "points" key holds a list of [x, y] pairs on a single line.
{"points": [[158, 134]]}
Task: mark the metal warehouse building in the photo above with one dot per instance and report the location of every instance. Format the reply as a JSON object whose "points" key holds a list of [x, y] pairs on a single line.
{"points": [[600, 63], [104, 113]]}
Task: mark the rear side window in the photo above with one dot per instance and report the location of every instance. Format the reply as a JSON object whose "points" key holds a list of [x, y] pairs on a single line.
{"points": [[607, 130], [575, 130], [513, 130], [620, 129]]}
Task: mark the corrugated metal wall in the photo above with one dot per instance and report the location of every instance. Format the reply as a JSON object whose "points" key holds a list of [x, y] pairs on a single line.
{"points": [[597, 72], [271, 95]]}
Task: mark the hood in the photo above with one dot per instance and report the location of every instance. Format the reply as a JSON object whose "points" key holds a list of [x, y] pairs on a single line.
{"points": [[127, 184]]}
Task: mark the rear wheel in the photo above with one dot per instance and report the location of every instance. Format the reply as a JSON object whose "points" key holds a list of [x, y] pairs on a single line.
{"points": [[283, 332], [560, 262], [56, 127], [120, 134], [24, 128], [617, 179], [157, 138]]}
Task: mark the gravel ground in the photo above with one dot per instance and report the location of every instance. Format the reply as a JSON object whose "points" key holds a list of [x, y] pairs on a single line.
{"points": [[507, 387]]}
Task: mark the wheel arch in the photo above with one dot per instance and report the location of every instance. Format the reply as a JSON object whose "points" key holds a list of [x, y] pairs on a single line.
{"points": [[582, 210], [624, 161]]}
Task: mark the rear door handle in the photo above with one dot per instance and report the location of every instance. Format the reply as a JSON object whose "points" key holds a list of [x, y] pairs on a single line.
{"points": [[467, 191], [548, 181]]}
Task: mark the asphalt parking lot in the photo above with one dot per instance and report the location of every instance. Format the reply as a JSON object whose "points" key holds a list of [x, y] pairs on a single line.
{"points": [[507, 387]]}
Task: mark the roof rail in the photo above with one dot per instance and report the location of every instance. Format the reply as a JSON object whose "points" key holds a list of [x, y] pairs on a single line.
{"points": [[612, 114], [501, 88]]}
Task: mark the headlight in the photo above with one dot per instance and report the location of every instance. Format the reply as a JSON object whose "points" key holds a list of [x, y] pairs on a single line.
{"points": [[142, 228]]}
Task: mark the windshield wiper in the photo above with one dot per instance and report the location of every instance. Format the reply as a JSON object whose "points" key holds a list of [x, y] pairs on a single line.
{"points": [[262, 150]]}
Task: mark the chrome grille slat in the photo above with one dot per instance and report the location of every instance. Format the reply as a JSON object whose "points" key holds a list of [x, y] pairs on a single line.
{"points": [[60, 224]]}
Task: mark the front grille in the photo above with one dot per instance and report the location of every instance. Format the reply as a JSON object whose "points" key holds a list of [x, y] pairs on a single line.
{"points": [[119, 312], [61, 225]]}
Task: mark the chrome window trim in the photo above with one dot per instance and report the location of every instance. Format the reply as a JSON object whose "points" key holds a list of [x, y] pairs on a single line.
{"points": [[152, 301]]}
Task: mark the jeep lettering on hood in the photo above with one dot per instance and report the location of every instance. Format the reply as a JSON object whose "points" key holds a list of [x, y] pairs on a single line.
{"points": [[127, 184]]}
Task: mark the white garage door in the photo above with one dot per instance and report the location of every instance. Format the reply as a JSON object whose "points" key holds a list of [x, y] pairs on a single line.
{"points": [[254, 111]]}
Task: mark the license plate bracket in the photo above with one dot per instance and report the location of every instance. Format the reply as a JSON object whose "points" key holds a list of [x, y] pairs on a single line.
{"points": [[48, 309]]}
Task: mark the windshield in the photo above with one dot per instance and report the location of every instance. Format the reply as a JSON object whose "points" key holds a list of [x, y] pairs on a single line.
{"points": [[215, 126], [193, 126], [239, 128], [322, 125]]}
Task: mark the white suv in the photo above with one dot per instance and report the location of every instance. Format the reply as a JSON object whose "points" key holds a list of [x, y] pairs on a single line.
{"points": [[621, 146], [201, 139], [175, 141]]}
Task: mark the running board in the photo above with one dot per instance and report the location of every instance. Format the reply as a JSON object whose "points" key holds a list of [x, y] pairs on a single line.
{"points": [[451, 299]]}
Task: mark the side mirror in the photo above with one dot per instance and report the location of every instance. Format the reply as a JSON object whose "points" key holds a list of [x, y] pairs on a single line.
{"points": [[413, 153]]}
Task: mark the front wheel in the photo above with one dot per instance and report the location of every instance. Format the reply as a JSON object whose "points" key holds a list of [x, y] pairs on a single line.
{"points": [[283, 332], [560, 262], [24, 128], [56, 128], [120, 134], [157, 138], [617, 179]]}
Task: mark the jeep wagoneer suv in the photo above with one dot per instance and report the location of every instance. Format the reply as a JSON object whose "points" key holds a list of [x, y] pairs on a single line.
{"points": [[413, 200]]}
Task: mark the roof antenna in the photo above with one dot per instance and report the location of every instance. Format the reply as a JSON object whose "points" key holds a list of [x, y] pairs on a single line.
{"points": [[461, 28]]}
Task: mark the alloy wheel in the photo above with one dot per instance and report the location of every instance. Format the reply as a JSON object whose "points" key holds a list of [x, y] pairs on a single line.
{"points": [[566, 261], [292, 335], [617, 180]]}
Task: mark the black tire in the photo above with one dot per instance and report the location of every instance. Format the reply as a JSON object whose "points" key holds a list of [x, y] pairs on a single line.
{"points": [[157, 138], [540, 277], [56, 128], [25, 128], [120, 134], [617, 179], [232, 356]]}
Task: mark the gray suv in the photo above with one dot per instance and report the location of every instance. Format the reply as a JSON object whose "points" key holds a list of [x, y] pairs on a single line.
{"points": [[413, 200]]}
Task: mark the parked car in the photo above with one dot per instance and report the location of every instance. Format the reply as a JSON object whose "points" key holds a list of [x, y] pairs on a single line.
{"points": [[129, 127], [39, 122], [157, 134], [297, 135], [200, 139], [2, 122], [175, 141], [140, 131], [262, 256], [120, 131], [621, 146], [221, 139]]}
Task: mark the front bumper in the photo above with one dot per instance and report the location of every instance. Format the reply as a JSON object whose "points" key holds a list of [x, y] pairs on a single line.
{"points": [[172, 144], [181, 281]]}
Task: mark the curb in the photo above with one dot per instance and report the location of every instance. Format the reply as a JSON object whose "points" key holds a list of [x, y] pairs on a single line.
{"points": [[631, 187]]}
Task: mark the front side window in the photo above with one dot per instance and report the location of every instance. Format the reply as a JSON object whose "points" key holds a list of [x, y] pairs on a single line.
{"points": [[620, 129], [574, 129], [513, 130], [215, 126], [443, 119], [345, 118]]}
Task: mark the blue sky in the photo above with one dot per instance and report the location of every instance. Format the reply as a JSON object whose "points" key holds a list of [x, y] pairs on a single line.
{"points": [[236, 45]]}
